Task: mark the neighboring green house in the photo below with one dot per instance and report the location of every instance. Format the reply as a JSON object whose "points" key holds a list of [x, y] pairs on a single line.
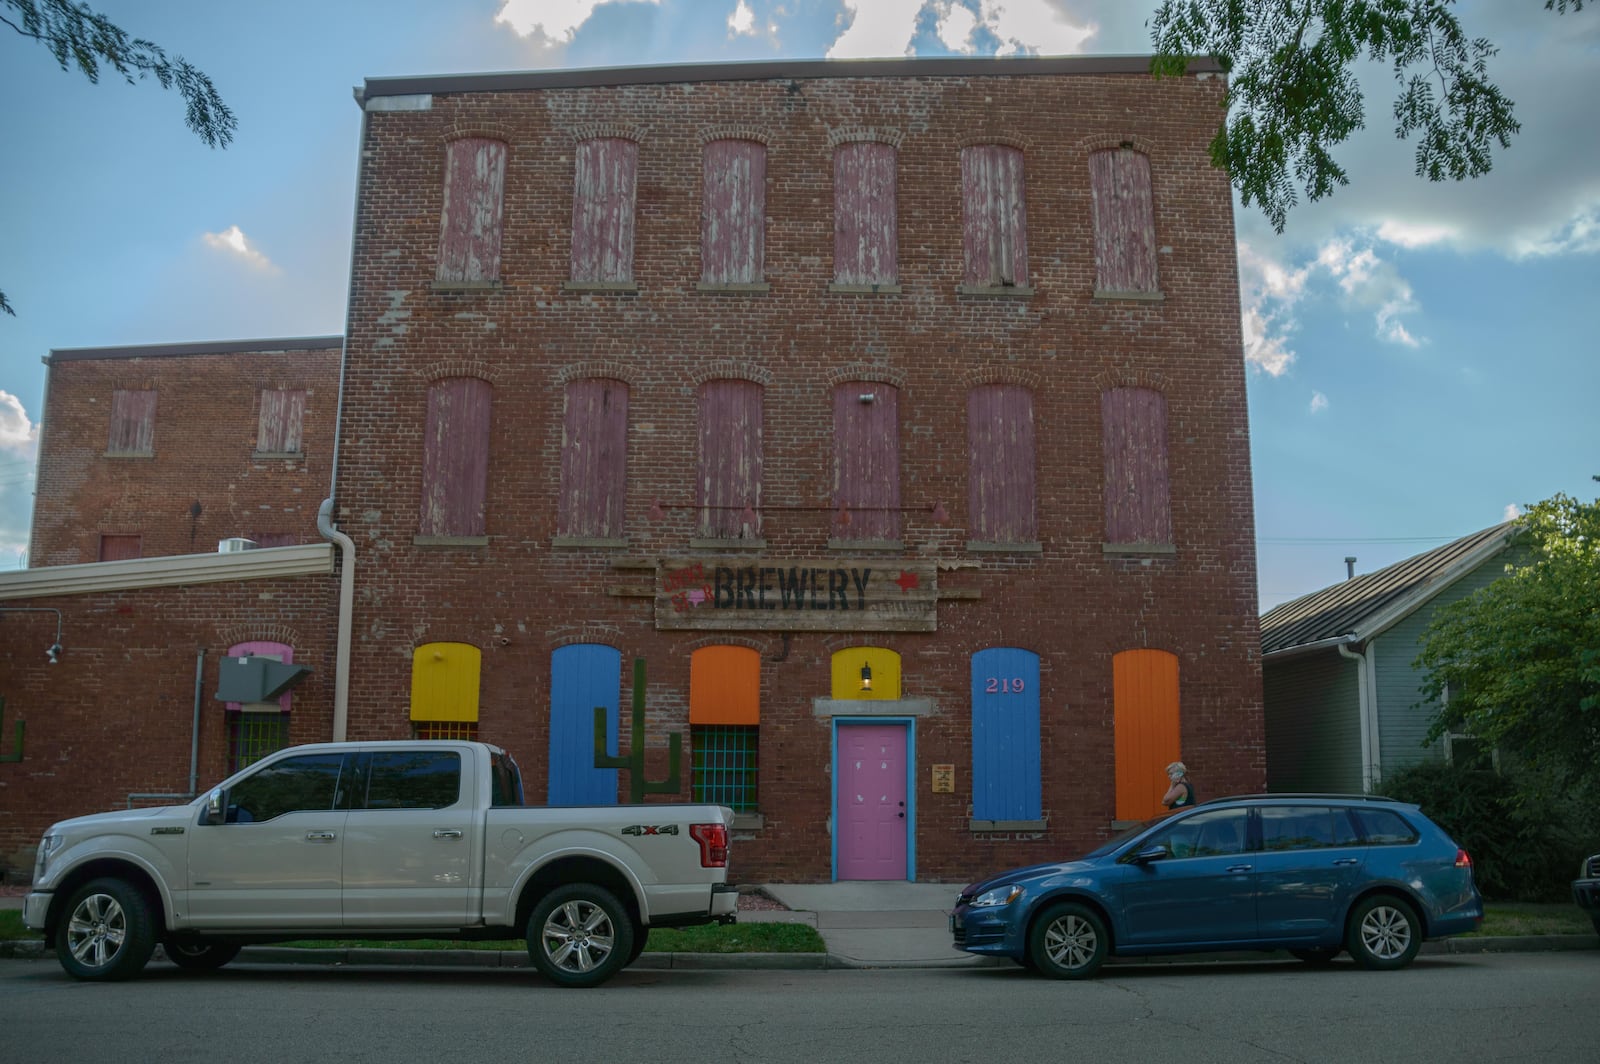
{"points": [[1339, 690]]}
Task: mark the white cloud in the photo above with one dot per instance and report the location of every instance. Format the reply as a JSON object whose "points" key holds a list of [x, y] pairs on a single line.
{"points": [[742, 23], [955, 27], [1035, 26], [1414, 234], [876, 28], [1268, 292], [1319, 402], [233, 241], [18, 435], [1372, 283], [1512, 512], [550, 23]]}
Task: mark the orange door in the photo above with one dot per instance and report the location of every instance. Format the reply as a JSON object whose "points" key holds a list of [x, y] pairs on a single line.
{"points": [[1144, 687]]}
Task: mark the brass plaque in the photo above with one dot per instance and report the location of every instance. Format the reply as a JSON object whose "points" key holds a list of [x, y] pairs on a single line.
{"points": [[944, 779], [829, 595]]}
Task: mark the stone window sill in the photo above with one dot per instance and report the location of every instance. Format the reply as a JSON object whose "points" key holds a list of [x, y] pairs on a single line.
{"points": [[734, 287], [748, 821], [979, 546], [279, 456], [1007, 825], [996, 291], [450, 541], [587, 541], [888, 288], [130, 454], [866, 544], [466, 286], [1138, 548], [716, 543], [599, 286]]}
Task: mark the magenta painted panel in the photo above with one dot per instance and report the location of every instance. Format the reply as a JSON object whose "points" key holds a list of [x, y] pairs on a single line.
{"points": [[994, 216], [282, 415], [866, 459], [455, 458], [133, 422], [865, 243], [282, 651], [871, 801], [730, 459], [1000, 479], [1124, 221], [732, 235], [469, 230], [1134, 427], [602, 209], [594, 457]]}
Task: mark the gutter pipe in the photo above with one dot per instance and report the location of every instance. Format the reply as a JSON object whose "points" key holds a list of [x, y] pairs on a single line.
{"points": [[1369, 718]]}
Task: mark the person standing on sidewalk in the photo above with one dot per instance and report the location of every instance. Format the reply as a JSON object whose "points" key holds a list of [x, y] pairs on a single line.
{"points": [[1181, 793]]}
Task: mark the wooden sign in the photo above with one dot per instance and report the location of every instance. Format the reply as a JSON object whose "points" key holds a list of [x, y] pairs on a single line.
{"points": [[944, 779], [827, 595]]}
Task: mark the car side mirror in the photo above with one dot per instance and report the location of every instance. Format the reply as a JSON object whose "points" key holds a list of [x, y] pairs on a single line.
{"points": [[214, 807], [1150, 853]]}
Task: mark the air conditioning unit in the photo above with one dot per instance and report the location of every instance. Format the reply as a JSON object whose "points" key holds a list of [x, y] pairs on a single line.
{"points": [[234, 544]]}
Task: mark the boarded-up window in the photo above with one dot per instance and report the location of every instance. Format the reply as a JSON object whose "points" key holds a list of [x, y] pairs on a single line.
{"points": [[1144, 694], [729, 483], [444, 682], [584, 678], [133, 422], [1124, 221], [594, 457], [455, 458], [1000, 480], [120, 548], [724, 686], [724, 714], [282, 417], [1005, 735], [602, 209], [469, 231], [865, 243], [262, 649], [866, 674], [274, 539], [995, 219], [1134, 427], [866, 460], [733, 220]]}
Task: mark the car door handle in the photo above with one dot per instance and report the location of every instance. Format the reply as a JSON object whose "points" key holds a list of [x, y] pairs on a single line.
{"points": [[1239, 868], [447, 833], [1347, 861], [320, 836]]}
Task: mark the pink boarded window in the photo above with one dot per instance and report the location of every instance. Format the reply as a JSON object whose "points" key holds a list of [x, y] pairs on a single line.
{"points": [[733, 218], [133, 422], [994, 216], [1124, 221], [121, 548], [730, 459], [594, 459], [469, 230], [1134, 428], [866, 461], [282, 417], [264, 649], [455, 458], [865, 243], [602, 209], [1000, 479]]}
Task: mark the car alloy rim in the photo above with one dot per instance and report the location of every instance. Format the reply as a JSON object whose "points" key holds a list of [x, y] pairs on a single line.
{"points": [[1070, 942], [1386, 932], [97, 930], [578, 936]]}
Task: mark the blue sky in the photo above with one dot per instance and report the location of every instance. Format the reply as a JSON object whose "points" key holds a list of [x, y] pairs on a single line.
{"points": [[1422, 357]]}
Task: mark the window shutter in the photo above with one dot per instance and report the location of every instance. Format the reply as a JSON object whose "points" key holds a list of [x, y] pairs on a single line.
{"points": [[865, 241], [725, 686], [455, 458], [469, 237], [133, 422], [594, 454], [1124, 221], [282, 418], [995, 219], [866, 434], [732, 238], [1134, 428], [730, 458], [603, 209], [1006, 778], [1000, 482]]}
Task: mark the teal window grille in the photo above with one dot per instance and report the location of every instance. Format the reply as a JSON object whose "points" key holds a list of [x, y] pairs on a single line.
{"points": [[252, 736], [444, 729], [725, 765]]}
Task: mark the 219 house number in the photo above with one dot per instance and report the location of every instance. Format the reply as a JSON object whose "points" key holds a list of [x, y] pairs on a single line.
{"points": [[1002, 685]]}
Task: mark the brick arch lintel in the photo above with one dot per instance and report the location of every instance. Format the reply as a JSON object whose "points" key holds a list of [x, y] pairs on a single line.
{"points": [[609, 635], [1099, 141], [865, 371], [597, 130], [1008, 139], [484, 130], [854, 640], [733, 370], [596, 368], [865, 134], [735, 132], [743, 642], [233, 635], [444, 370], [1024, 378], [1128, 377]]}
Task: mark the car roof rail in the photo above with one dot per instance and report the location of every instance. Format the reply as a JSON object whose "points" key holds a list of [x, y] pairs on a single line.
{"points": [[1326, 795]]}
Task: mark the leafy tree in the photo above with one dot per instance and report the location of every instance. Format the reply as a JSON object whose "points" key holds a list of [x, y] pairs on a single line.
{"points": [[78, 36], [1293, 97], [1521, 657]]}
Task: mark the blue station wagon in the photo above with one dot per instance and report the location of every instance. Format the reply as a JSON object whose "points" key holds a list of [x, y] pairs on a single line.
{"points": [[1312, 874]]}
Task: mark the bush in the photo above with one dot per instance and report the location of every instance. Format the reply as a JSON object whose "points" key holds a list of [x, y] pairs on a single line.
{"points": [[1523, 840]]}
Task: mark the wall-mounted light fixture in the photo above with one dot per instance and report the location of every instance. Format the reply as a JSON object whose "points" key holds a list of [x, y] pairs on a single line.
{"points": [[53, 651], [866, 677]]}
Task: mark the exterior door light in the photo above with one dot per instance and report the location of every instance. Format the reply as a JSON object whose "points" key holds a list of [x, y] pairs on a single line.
{"points": [[866, 677]]}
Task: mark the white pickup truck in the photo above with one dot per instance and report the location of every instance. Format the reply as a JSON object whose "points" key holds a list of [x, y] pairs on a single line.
{"points": [[381, 840]]}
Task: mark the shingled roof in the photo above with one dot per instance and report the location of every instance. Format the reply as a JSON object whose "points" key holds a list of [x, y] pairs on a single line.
{"points": [[1358, 609]]}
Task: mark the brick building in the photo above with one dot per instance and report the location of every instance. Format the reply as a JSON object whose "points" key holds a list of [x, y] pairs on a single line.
{"points": [[891, 413]]}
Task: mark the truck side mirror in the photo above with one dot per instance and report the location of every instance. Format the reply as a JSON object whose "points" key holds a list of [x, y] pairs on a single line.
{"points": [[214, 807]]}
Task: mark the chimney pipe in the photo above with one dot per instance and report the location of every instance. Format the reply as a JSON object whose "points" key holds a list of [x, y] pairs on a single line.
{"points": [[1349, 568]]}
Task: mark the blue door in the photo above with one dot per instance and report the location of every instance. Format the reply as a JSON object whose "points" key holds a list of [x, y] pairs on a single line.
{"points": [[1005, 735], [582, 677]]}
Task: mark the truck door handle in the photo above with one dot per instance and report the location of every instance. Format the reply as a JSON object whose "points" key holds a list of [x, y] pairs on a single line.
{"points": [[320, 836], [447, 833], [1239, 868]]}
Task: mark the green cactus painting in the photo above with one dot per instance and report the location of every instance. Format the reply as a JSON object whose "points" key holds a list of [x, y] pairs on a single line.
{"points": [[633, 761]]}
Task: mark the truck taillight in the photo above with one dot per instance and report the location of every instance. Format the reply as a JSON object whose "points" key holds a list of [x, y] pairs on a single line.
{"points": [[713, 840]]}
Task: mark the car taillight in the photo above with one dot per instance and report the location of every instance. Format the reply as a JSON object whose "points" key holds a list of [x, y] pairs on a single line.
{"points": [[713, 840], [1463, 859]]}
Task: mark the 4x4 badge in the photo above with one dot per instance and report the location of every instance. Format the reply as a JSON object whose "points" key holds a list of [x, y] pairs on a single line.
{"points": [[650, 829]]}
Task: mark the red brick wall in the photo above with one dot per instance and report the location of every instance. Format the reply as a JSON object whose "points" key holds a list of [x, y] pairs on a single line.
{"points": [[519, 597], [207, 410]]}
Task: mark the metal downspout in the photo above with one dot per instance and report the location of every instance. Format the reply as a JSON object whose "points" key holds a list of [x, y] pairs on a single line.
{"points": [[194, 733], [1368, 724]]}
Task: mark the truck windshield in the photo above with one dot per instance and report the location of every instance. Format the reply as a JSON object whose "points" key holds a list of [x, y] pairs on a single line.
{"points": [[506, 787]]}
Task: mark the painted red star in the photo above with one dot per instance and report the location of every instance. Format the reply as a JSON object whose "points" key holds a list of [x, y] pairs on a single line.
{"points": [[907, 581]]}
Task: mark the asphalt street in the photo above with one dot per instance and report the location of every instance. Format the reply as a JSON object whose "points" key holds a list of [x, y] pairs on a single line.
{"points": [[1484, 1007]]}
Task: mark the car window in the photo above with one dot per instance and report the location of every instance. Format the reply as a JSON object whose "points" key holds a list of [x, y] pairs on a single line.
{"points": [[1384, 827], [506, 786], [413, 779], [308, 782], [1214, 833], [1305, 827]]}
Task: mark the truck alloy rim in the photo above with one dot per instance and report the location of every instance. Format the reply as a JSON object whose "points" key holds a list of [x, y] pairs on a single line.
{"points": [[96, 930], [578, 936]]}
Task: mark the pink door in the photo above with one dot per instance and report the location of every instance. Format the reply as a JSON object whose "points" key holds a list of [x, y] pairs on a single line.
{"points": [[871, 801]]}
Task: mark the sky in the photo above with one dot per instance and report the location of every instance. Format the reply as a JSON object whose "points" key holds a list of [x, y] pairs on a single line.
{"points": [[1421, 358]]}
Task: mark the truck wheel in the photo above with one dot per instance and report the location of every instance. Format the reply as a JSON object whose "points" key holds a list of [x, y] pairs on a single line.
{"points": [[580, 935], [199, 955], [108, 932]]}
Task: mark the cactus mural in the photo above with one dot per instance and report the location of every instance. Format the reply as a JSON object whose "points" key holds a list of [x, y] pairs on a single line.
{"points": [[633, 761]]}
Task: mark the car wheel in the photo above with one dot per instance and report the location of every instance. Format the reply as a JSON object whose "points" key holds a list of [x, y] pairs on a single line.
{"points": [[199, 955], [1317, 957], [1384, 933], [1068, 941], [108, 932], [580, 935]]}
